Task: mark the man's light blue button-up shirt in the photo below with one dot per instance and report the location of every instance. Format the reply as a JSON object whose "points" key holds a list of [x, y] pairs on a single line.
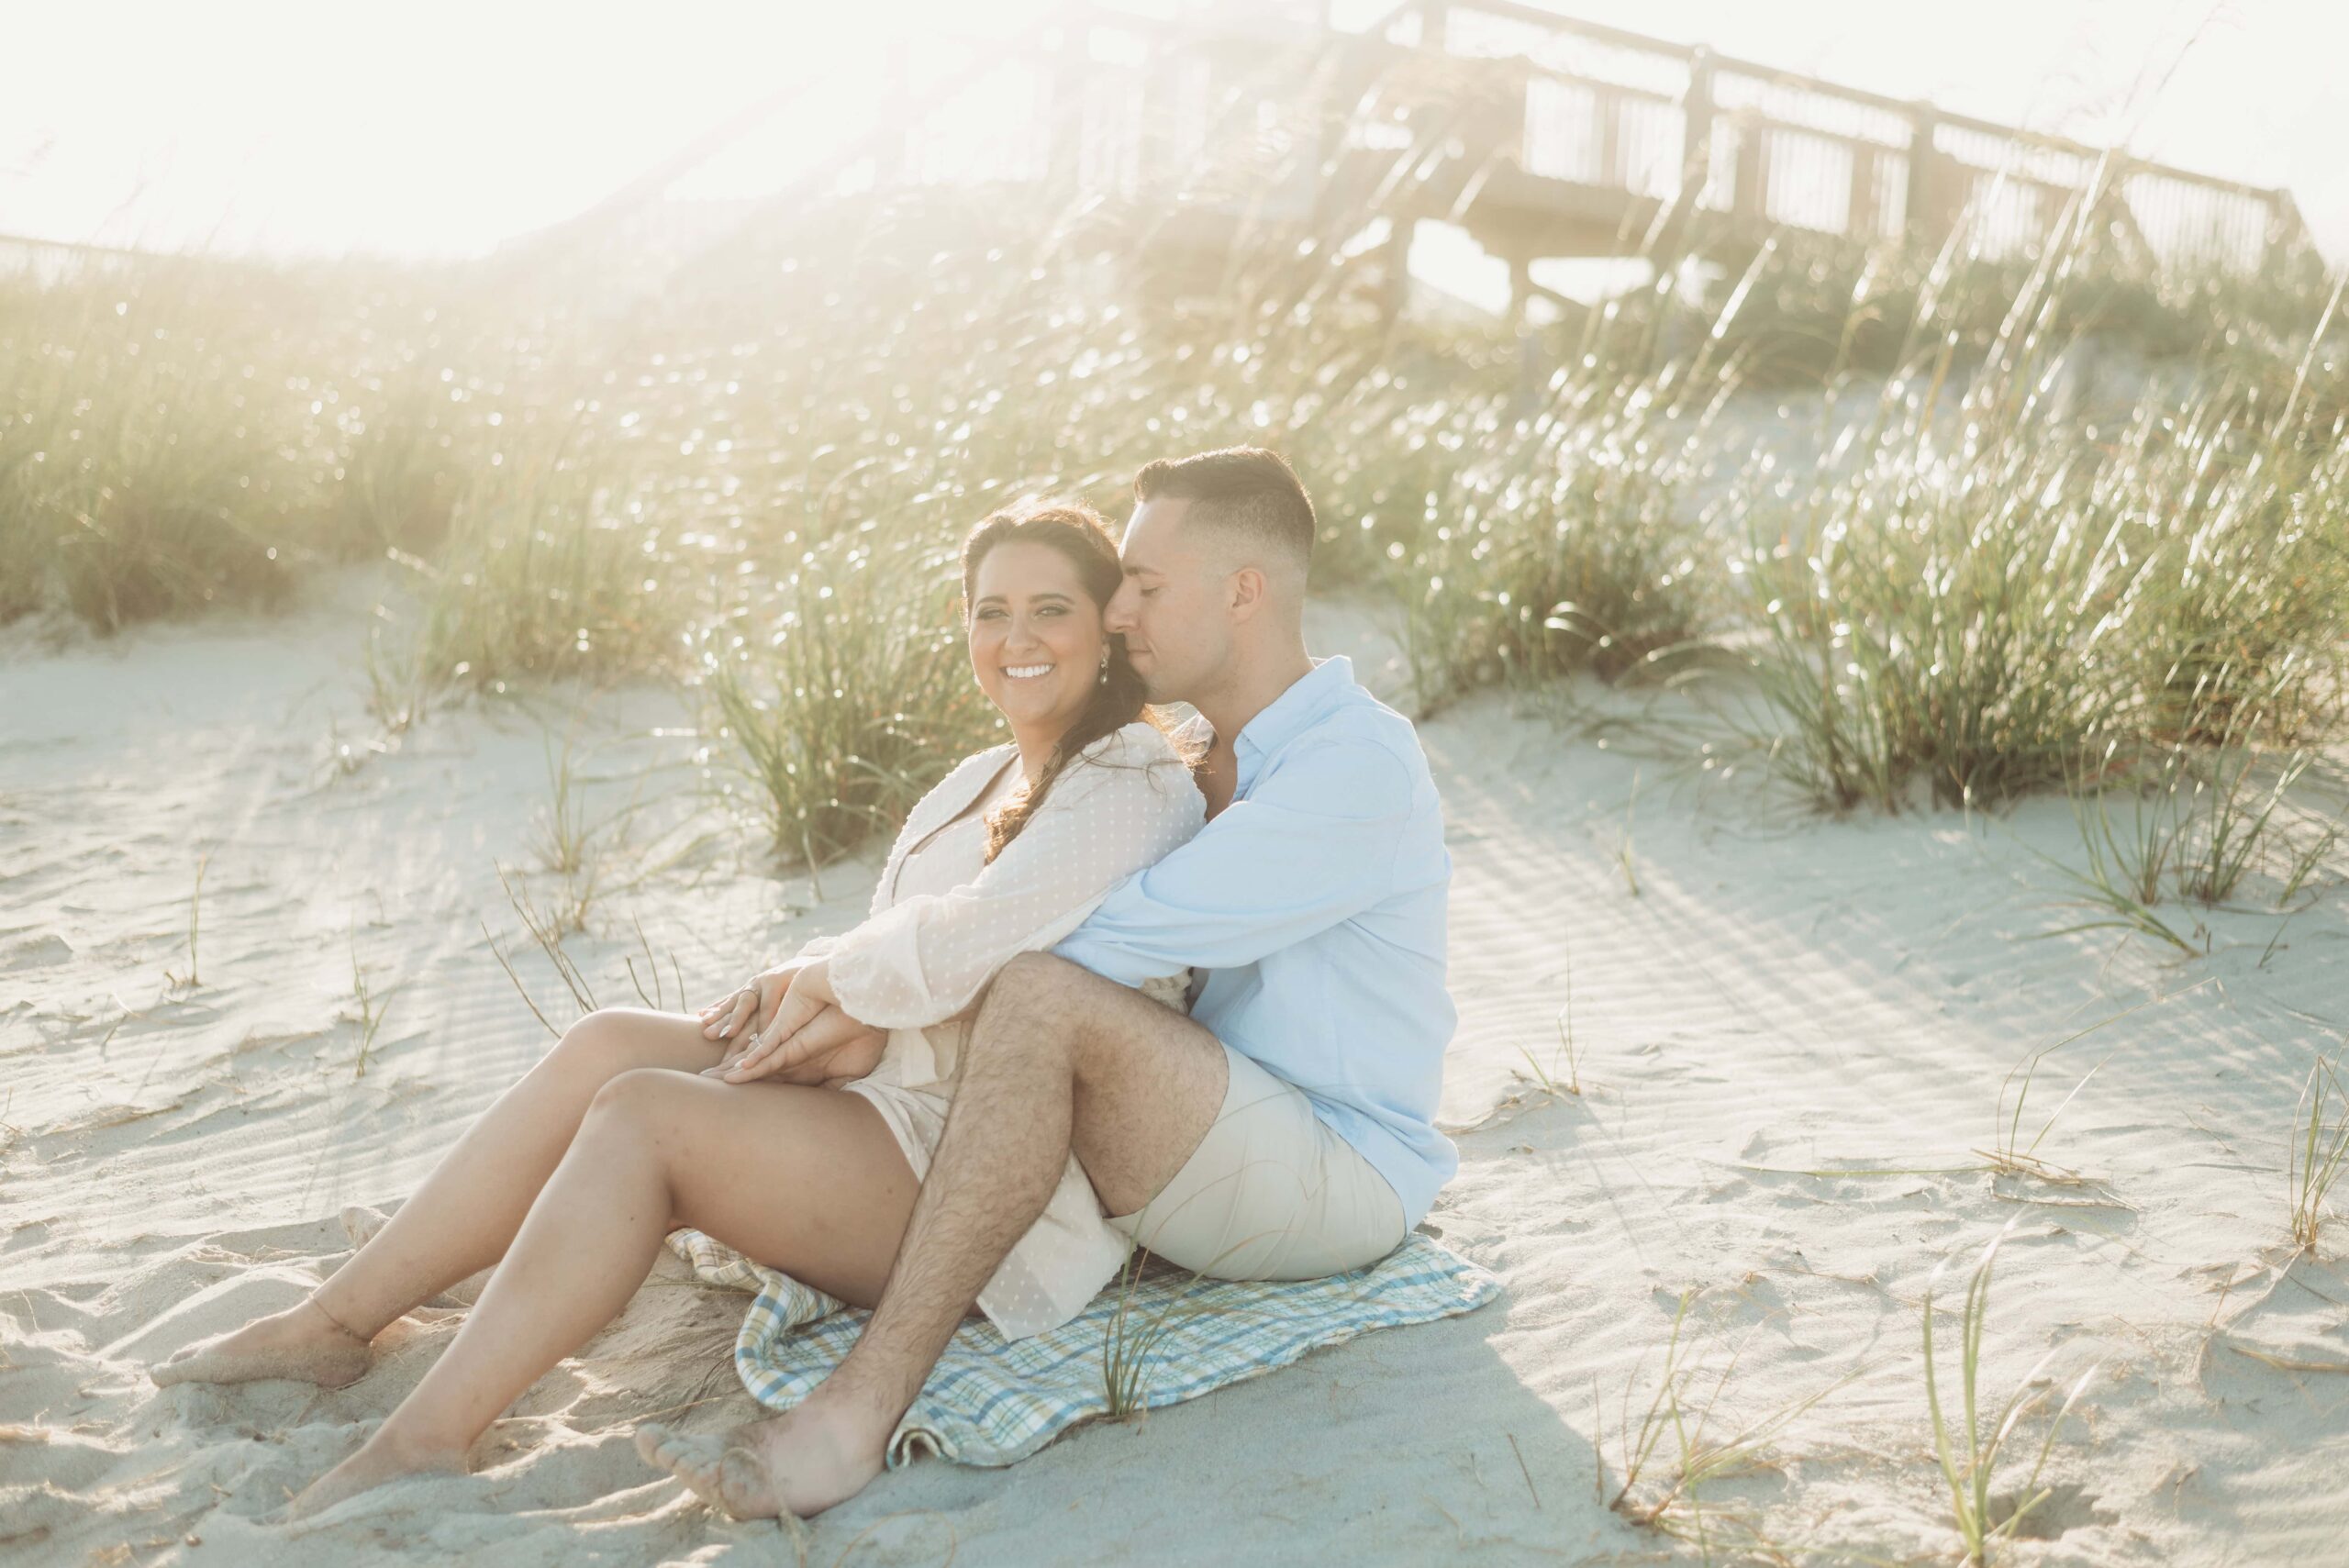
{"points": [[1315, 901]]}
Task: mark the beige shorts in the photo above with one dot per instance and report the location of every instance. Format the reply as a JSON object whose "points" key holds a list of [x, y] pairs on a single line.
{"points": [[1270, 1192]]}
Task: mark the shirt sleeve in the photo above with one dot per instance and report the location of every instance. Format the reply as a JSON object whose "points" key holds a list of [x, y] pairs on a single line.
{"points": [[926, 958], [1315, 844]]}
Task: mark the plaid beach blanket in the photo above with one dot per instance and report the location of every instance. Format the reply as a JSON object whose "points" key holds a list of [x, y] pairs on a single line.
{"points": [[1156, 1336]]}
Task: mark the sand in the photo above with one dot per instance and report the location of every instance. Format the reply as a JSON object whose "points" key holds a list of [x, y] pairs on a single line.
{"points": [[179, 1135]]}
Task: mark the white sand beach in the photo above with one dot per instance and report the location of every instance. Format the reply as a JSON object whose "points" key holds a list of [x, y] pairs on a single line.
{"points": [[180, 1131]]}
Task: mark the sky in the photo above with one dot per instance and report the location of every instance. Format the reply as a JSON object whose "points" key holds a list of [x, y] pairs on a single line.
{"points": [[434, 128]]}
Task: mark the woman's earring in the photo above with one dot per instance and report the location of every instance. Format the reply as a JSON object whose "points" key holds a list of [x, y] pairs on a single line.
{"points": [[1103, 678]]}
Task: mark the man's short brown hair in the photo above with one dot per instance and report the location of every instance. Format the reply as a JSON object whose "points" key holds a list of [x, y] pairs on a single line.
{"points": [[1250, 491]]}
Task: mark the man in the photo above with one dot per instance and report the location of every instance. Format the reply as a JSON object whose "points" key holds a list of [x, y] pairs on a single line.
{"points": [[1285, 1128]]}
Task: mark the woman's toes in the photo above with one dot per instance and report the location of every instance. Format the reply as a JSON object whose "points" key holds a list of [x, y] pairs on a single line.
{"points": [[304, 1345], [377, 1463]]}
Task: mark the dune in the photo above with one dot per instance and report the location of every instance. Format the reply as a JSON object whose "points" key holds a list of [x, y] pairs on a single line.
{"points": [[192, 1090]]}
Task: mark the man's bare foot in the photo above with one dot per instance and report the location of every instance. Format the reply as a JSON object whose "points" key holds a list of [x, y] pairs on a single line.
{"points": [[303, 1342], [379, 1460], [803, 1461]]}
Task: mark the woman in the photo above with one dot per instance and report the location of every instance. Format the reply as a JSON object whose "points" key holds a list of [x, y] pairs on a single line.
{"points": [[639, 1123]]}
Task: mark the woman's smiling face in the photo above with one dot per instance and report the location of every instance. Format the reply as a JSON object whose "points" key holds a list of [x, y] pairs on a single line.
{"points": [[1036, 637]]}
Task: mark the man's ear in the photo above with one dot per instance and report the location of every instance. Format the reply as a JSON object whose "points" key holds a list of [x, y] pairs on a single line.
{"points": [[1245, 592]]}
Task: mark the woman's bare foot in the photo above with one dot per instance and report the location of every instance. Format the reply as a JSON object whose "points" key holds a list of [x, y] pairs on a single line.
{"points": [[381, 1459], [303, 1342], [804, 1461]]}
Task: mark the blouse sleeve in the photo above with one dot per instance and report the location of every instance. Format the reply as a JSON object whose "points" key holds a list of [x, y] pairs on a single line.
{"points": [[926, 958]]}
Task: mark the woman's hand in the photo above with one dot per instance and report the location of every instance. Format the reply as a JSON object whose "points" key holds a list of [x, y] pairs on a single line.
{"points": [[776, 1048], [749, 1007], [836, 1050]]}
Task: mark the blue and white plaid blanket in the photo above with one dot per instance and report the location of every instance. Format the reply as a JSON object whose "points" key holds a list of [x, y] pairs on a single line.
{"points": [[1156, 1336]]}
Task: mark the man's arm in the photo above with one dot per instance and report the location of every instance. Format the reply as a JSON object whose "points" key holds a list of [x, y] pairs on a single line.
{"points": [[1313, 845]]}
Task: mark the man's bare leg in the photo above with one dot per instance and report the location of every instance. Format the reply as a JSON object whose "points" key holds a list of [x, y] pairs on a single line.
{"points": [[803, 1179], [1058, 1058], [464, 1215]]}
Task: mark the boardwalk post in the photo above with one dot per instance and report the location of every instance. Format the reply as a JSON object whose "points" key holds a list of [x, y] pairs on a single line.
{"points": [[1605, 129], [1924, 214], [1862, 219], [1432, 26], [1532, 367], [2288, 232], [1750, 202], [1697, 129], [1677, 239]]}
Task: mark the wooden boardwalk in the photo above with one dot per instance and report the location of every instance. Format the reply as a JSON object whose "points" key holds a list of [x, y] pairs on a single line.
{"points": [[1540, 135]]}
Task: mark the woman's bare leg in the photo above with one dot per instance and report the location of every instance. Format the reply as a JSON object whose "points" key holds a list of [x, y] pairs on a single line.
{"points": [[464, 1215], [803, 1179]]}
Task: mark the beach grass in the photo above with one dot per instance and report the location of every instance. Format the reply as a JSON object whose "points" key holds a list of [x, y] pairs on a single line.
{"points": [[545, 575], [2199, 820], [1969, 1453], [1974, 581], [369, 1005], [543, 929], [2008, 1154], [1132, 1338], [1623, 849], [575, 848], [2123, 875], [140, 470], [1683, 1441], [658, 997], [2318, 1151], [1568, 1054], [190, 980], [2008, 508], [399, 693], [181, 433], [843, 700]]}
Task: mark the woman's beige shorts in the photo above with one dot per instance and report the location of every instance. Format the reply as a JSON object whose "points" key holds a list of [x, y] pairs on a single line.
{"points": [[1270, 1192]]}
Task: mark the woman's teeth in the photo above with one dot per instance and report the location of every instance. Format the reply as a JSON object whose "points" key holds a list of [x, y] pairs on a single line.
{"points": [[1028, 671]]}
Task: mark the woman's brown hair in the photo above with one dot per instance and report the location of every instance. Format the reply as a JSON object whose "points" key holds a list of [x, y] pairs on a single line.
{"points": [[1081, 538]]}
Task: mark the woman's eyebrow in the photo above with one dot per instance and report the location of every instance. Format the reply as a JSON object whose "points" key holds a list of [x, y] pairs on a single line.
{"points": [[1054, 594]]}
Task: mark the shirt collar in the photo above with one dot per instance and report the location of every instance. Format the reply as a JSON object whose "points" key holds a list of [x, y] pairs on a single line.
{"points": [[1308, 699]]}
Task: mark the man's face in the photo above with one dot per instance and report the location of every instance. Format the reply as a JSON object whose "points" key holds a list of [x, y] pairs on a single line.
{"points": [[1171, 608]]}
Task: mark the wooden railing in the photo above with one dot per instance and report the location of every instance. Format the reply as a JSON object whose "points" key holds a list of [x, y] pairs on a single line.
{"points": [[1608, 109], [44, 259], [1579, 139], [1573, 110]]}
